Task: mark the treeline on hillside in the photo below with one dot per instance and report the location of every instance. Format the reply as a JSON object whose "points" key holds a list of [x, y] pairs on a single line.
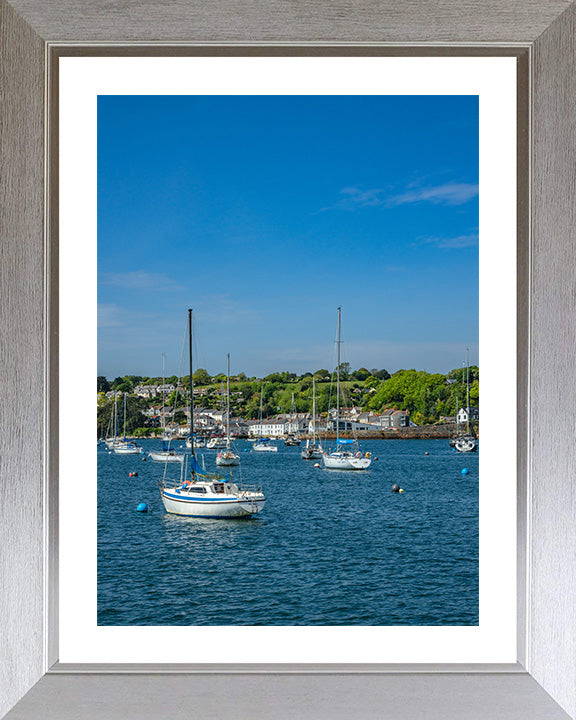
{"points": [[427, 396]]}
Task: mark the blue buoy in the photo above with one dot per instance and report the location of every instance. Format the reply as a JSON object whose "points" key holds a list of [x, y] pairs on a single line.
{"points": [[142, 507], [245, 449], [465, 471]]}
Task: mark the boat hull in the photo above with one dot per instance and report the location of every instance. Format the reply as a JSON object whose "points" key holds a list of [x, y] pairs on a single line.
{"points": [[228, 461], [466, 445], [127, 450], [162, 457], [265, 448], [212, 508], [312, 454], [346, 462]]}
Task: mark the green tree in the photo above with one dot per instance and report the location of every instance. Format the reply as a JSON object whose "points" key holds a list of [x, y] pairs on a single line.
{"points": [[344, 370], [371, 382], [102, 384], [134, 416], [380, 374], [201, 377]]}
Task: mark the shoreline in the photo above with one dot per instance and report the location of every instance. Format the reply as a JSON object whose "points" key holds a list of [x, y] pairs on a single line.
{"points": [[420, 432]]}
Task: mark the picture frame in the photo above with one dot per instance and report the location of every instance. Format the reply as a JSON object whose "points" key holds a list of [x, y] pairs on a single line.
{"points": [[543, 682]]}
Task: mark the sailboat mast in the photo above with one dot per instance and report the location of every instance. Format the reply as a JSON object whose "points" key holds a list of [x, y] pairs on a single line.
{"points": [[314, 411], [228, 398], [124, 416], [338, 382], [191, 385], [115, 415], [163, 393], [468, 390]]}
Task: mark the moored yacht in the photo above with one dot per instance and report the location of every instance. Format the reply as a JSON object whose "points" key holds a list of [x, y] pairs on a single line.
{"points": [[227, 457], [200, 495], [342, 459]]}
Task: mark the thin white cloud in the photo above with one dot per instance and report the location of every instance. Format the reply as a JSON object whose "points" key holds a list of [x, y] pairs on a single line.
{"points": [[447, 194], [363, 198], [452, 193], [453, 243]]}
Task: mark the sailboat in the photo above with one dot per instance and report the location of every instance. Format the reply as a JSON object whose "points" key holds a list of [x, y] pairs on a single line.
{"points": [[215, 443], [263, 444], [167, 454], [293, 438], [126, 447], [466, 443], [112, 440], [203, 495], [199, 442], [343, 459], [311, 451], [227, 457]]}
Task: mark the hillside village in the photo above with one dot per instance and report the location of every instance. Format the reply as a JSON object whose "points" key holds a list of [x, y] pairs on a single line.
{"points": [[372, 406]]}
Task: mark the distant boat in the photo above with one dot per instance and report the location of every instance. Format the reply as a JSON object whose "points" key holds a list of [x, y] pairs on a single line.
{"points": [[263, 444], [312, 451], [344, 459], [466, 443], [294, 438], [227, 457], [215, 443], [112, 439], [167, 454], [291, 441], [126, 447], [208, 496], [199, 443]]}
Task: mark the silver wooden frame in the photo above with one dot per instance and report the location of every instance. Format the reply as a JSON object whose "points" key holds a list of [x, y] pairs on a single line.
{"points": [[542, 34]]}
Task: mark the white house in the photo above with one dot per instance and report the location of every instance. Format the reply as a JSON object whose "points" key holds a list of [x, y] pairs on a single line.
{"points": [[463, 416]]}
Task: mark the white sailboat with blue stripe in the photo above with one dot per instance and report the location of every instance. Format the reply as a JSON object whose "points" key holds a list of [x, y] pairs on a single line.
{"points": [[199, 494]]}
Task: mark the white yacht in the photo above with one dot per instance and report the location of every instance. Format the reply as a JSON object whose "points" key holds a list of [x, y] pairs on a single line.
{"points": [[227, 457], [341, 458], [198, 494]]}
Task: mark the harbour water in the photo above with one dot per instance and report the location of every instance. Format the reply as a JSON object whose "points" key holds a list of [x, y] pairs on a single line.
{"points": [[329, 548]]}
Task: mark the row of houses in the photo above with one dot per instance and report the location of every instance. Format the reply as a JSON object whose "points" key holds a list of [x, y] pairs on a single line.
{"points": [[352, 421], [153, 391]]}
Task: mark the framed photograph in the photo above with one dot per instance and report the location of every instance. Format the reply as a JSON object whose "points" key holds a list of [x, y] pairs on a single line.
{"points": [[496, 646], [414, 204]]}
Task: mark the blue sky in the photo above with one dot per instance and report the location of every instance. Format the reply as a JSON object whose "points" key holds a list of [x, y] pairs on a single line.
{"points": [[266, 213]]}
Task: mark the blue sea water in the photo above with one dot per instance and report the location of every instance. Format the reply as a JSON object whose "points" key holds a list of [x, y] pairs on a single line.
{"points": [[329, 548]]}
